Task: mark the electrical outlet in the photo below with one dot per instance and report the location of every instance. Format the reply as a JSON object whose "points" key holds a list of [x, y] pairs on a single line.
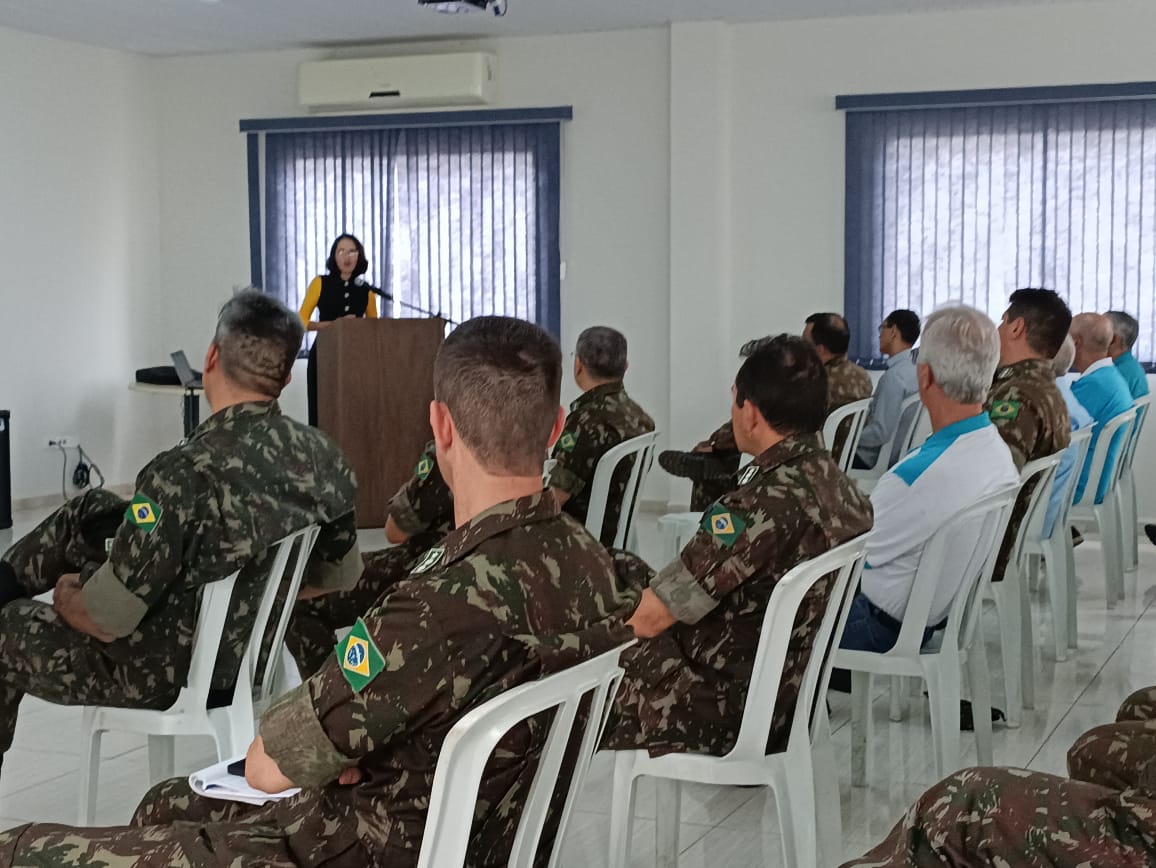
{"points": [[62, 440]]}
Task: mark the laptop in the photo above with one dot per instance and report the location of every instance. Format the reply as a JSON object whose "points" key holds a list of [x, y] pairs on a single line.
{"points": [[185, 373]]}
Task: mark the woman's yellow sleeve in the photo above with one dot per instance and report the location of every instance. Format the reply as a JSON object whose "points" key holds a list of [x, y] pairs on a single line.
{"points": [[371, 307], [312, 296]]}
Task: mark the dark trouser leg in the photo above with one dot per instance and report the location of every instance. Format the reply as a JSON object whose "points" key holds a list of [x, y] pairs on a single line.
{"points": [[1014, 817], [311, 631], [65, 542], [41, 655], [174, 801], [311, 383]]}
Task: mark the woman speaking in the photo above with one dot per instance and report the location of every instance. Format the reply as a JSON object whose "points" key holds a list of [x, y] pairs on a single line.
{"points": [[339, 293]]}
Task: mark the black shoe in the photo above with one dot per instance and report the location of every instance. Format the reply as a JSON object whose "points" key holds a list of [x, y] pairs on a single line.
{"points": [[1077, 538], [967, 722], [1150, 530], [696, 466]]}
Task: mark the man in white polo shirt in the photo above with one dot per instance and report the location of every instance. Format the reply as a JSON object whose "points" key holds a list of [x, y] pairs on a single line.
{"points": [[964, 460]]}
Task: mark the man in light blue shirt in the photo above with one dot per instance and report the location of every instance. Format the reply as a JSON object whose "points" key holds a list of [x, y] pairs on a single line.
{"points": [[1079, 417], [1100, 388], [897, 335], [1125, 329]]}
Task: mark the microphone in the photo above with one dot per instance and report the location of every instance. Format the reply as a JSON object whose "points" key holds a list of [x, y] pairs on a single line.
{"points": [[361, 281]]}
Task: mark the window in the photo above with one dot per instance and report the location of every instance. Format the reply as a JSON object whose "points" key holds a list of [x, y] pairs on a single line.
{"points": [[968, 204], [458, 219]]}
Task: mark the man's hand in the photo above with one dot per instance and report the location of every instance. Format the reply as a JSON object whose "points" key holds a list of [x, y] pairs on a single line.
{"points": [[261, 770], [69, 604], [651, 617], [307, 593], [349, 777], [393, 533], [560, 496]]}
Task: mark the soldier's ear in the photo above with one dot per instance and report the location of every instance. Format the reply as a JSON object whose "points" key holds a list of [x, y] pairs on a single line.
{"points": [[442, 425]]}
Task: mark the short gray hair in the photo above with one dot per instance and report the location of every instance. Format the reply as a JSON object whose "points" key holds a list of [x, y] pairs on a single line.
{"points": [[1062, 363], [603, 352], [961, 346], [754, 345], [1124, 326], [258, 339]]}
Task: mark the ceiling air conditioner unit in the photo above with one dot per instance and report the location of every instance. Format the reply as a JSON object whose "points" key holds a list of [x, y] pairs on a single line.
{"points": [[394, 82]]}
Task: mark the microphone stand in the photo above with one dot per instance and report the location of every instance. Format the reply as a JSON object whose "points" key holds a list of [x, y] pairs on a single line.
{"points": [[405, 304]]}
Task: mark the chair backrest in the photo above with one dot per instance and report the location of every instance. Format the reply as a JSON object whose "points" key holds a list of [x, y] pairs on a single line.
{"points": [[1041, 474], [641, 446], [1115, 428], [1081, 439], [843, 443], [912, 414], [210, 627], [844, 562], [920, 431], [469, 745], [1128, 454], [992, 512]]}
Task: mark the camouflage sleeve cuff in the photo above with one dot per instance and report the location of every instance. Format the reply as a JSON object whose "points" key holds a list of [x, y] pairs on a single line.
{"points": [[296, 741], [405, 516], [682, 594], [329, 576], [111, 606], [566, 480]]}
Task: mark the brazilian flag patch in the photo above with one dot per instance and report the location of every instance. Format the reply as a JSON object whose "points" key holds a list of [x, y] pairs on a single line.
{"points": [[568, 441], [424, 468], [360, 660], [723, 524], [143, 513], [1005, 410]]}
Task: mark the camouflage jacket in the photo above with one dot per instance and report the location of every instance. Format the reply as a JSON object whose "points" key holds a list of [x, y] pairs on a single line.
{"points": [[516, 593], [846, 382], [1031, 416], [688, 685], [424, 506], [599, 420], [247, 477]]}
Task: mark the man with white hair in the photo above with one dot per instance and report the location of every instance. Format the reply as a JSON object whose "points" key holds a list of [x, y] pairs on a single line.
{"points": [[964, 460], [1101, 389], [1125, 330]]}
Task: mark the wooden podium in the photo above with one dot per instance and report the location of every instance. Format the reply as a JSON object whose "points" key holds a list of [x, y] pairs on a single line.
{"points": [[374, 386]]}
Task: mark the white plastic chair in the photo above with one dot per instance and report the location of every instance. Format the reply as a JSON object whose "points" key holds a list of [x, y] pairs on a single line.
{"points": [[938, 666], [232, 727], [788, 773], [1056, 551], [1106, 515], [895, 448], [1014, 611], [642, 449], [471, 742], [1126, 492], [852, 417]]}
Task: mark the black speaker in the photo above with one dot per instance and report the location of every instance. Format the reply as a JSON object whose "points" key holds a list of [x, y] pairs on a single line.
{"points": [[5, 470]]}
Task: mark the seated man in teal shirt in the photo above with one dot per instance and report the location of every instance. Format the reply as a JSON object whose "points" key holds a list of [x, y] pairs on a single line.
{"points": [[1101, 389], [1125, 329]]}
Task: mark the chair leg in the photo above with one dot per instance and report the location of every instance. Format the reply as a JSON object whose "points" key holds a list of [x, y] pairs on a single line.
{"points": [[667, 818], [980, 689], [622, 809], [1126, 506], [89, 775], [1027, 641], [1108, 523], [860, 726], [1055, 565], [793, 781], [943, 692], [161, 748], [898, 703], [1070, 575], [828, 810], [1007, 606]]}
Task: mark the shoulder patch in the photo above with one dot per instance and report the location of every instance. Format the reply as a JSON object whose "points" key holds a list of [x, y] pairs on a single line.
{"points": [[424, 468], [1005, 410], [725, 525], [429, 559], [359, 657], [749, 473], [568, 441], [143, 513]]}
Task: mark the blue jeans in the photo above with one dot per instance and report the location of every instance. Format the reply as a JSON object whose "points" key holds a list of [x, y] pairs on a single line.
{"points": [[868, 629]]}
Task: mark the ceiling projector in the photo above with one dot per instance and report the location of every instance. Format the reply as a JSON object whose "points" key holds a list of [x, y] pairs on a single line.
{"points": [[494, 7]]}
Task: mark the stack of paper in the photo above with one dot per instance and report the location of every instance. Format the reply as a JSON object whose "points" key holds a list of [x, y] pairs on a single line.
{"points": [[216, 782]]}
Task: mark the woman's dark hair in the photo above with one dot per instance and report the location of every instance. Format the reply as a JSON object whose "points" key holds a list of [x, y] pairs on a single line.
{"points": [[787, 383], [362, 263]]}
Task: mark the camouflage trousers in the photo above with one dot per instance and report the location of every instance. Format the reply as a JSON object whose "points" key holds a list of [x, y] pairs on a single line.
{"points": [[1006, 817], [40, 653], [310, 636], [175, 827], [1120, 754]]}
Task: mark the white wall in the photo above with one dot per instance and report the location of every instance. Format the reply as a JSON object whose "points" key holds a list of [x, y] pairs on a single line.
{"points": [[79, 239]]}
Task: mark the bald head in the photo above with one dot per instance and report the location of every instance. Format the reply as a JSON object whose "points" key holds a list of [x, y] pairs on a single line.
{"points": [[1092, 334]]}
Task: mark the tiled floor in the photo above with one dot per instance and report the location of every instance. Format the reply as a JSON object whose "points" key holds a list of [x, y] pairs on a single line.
{"points": [[721, 826]]}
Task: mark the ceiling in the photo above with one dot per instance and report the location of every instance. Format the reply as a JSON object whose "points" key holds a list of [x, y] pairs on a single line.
{"points": [[166, 27]]}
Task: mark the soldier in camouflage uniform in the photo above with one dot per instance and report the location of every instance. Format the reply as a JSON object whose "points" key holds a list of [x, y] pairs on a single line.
{"points": [[515, 592], [127, 574], [1121, 754], [1014, 817], [846, 381], [420, 514], [603, 417], [686, 685], [1024, 403]]}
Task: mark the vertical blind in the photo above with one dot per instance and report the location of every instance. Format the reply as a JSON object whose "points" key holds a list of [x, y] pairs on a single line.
{"points": [[968, 204], [461, 221]]}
